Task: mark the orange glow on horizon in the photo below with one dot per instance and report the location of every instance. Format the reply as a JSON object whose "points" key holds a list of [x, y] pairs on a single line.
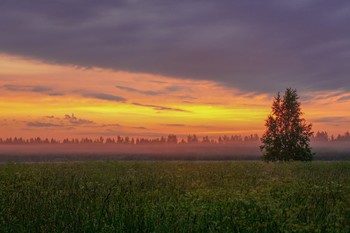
{"points": [[38, 99]]}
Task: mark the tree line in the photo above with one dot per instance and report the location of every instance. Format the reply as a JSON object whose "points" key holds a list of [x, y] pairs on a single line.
{"points": [[170, 139], [319, 136], [323, 136]]}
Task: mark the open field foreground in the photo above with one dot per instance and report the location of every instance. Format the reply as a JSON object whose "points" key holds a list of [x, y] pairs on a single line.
{"points": [[145, 196]]}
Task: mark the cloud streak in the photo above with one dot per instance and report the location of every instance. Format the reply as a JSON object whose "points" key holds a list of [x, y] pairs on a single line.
{"points": [[104, 96], [149, 92], [51, 92], [129, 89], [332, 120], [161, 108], [42, 124], [344, 98], [174, 125], [36, 89]]}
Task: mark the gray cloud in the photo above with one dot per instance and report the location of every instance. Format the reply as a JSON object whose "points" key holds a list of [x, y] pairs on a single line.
{"points": [[259, 46], [161, 108], [103, 96], [67, 122], [73, 120], [27, 88]]}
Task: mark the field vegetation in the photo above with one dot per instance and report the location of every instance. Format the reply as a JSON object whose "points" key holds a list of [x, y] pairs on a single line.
{"points": [[165, 196]]}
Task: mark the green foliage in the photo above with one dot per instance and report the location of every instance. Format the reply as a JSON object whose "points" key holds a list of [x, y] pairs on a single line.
{"points": [[287, 135], [175, 197]]}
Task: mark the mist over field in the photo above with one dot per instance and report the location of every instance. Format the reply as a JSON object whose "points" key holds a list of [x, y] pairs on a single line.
{"points": [[234, 151]]}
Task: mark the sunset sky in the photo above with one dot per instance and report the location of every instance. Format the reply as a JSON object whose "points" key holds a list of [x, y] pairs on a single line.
{"points": [[87, 68]]}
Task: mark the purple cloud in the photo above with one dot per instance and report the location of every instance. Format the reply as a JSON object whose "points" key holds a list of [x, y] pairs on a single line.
{"points": [[257, 46]]}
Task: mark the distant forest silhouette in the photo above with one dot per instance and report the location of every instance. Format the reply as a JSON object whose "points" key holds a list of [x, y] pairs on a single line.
{"points": [[321, 136], [170, 139]]}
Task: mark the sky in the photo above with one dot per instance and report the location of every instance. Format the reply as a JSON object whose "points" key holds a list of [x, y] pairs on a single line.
{"points": [[87, 68]]}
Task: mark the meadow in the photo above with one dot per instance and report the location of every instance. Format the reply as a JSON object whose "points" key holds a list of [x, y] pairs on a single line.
{"points": [[175, 196]]}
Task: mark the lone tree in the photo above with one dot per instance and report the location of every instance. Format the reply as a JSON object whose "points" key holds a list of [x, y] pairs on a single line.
{"points": [[287, 135]]}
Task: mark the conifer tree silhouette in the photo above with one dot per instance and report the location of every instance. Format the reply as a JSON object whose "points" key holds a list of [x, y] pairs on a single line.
{"points": [[287, 135]]}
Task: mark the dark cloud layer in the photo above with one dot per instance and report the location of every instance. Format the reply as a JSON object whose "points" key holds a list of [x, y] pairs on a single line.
{"points": [[260, 46]]}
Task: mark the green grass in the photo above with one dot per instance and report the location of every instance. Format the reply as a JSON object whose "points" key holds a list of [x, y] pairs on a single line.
{"points": [[175, 197]]}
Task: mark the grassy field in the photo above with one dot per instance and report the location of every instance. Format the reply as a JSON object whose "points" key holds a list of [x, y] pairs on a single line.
{"points": [[169, 196]]}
